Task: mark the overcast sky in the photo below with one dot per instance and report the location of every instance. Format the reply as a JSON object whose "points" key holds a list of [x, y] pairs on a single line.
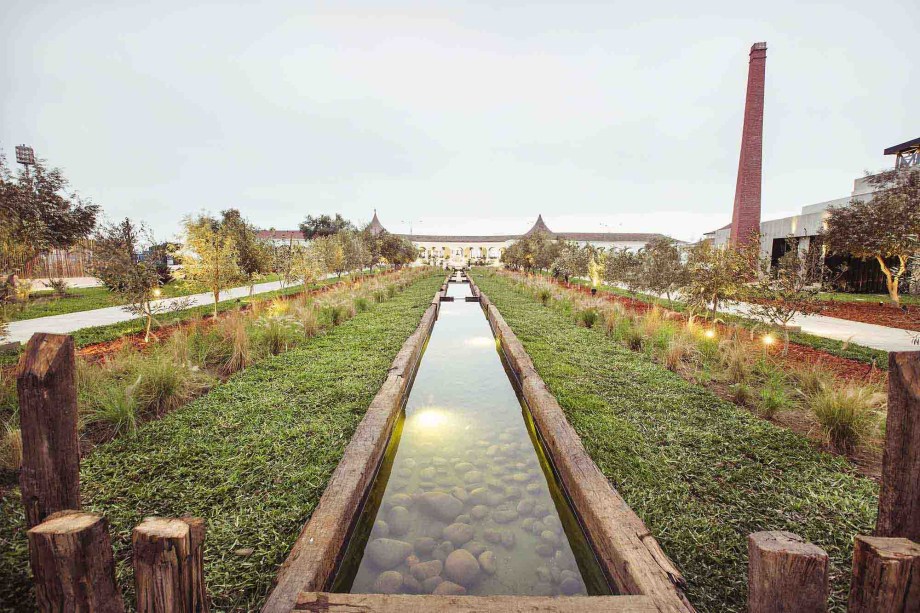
{"points": [[454, 116]]}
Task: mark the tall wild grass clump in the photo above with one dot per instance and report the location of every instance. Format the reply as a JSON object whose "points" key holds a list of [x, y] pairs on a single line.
{"points": [[10, 447], [848, 414], [588, 317]]}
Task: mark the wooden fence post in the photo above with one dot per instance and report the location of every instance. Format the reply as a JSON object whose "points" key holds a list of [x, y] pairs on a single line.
{"points": [[886, 575], [71, 557], [899, 494], [785, 573], [50, 474], [168, 565]]}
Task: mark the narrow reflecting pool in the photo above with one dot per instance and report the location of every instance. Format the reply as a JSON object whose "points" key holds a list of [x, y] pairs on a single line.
{"points": [[466, 501]]}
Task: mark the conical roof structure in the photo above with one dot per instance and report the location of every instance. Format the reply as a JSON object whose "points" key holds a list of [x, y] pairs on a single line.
{"points": [[376, 227], [539, 226]]}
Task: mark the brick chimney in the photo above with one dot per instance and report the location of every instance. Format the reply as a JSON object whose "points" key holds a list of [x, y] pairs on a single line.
{"points": [[746, 213]]}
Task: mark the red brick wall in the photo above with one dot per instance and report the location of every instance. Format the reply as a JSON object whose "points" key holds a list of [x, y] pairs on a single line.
{"points": [[746, 213]]}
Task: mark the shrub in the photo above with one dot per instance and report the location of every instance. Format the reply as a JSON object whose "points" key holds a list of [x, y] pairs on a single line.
{"points": [[544, 295], [337, 314], [736, 361], [588, 317], [162, 385], [773, 397], [309, 323], [380, 296], [361, 305], [812, 380], [116, 408], [391, 291], [236, 334], [847, 415], [58, 287], [742, 394], [681, 351], [278, 333], [634, 337]]}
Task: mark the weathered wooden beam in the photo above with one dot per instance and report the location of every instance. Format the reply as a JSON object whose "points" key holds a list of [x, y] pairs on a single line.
{"points": [[168, 565], [886, 575], [400, 603], [786, 573], [50, 474], [71, 557], [899, 494]]}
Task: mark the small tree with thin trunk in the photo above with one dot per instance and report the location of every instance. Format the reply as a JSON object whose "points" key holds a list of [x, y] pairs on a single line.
{"points": [[624, 267], [663, 268], [791, 288], [117, 264], [717, 275], [252, 255], [212, 261], [884, 227]]}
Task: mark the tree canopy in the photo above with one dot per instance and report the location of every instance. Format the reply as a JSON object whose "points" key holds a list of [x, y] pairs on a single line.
{"points": [[324, 225], [38, 213], [885, 227]]}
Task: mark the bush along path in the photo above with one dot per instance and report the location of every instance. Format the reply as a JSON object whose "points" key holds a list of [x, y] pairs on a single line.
{"points": [[701, 472], [252, 456]]}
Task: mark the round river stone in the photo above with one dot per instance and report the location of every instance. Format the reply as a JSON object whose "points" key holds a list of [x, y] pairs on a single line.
{"points": [[388, 553], [461, 567]]}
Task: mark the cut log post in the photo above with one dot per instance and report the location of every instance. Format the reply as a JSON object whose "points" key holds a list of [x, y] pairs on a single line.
{"points": [[785, 573], [71, 557], [50, 474], [168, 565], [886, 575], [899, 494]]}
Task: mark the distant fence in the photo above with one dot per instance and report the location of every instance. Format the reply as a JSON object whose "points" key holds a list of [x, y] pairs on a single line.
{"points": [[73, 262]]}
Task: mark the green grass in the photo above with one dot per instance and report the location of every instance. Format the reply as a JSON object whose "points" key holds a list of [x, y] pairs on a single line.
{"points": [[252, 457], [874, 298], [42, 303], [841, 349], [701, 472]]}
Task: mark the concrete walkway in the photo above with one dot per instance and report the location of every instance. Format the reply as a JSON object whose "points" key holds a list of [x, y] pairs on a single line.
{"points": [[857, 332], [22, 331]]}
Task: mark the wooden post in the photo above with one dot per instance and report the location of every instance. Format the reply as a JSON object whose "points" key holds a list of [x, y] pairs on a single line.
{"points": [[886, 575], [785, 573], [50, 475], [899, 494], [72, 563], [168, 565]]}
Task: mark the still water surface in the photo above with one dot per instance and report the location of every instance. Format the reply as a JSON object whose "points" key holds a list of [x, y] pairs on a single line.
{"points": [[466, 501]]}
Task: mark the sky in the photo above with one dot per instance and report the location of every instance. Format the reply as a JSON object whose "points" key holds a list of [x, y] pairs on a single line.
{"points": [[454, 117]]}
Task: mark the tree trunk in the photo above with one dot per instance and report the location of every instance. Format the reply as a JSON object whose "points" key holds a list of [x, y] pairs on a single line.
{"points": [[216, 299], [886, 576], [786, 573], [149, 312], [50, 474], [891, 282], [71, 557], [168, 572], [899, 494]]}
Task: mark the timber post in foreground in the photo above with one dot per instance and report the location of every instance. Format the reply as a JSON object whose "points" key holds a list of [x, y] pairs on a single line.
{"points": [[50, 474], [786, 573], [71, 557], [886, 576], [899, 494], [168, 565]]}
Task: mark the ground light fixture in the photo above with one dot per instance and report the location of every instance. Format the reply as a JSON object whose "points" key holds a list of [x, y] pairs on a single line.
{"points": [[157, 292], [709, 333], [768, 339]]}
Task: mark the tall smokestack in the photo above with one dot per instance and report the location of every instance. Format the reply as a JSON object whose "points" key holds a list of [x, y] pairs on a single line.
{"points": [[746, 214]]}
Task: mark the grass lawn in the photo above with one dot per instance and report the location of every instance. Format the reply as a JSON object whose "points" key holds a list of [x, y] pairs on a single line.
{"points": [[874, 298], [252, 457], [42, 303], [701, 472]]}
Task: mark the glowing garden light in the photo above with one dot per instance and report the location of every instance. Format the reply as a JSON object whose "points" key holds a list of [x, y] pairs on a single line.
{"points": [[709, 333], [768, 339], [157, 292]]}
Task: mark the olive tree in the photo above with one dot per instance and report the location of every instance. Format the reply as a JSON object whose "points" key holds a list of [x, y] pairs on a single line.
{"points": [[253, 257], [117, 263], [213, 256], [663, 269], [885, 227]]}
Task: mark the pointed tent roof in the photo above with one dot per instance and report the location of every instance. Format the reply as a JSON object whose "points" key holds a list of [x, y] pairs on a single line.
{"points": [[539, 226], [376, 227]]}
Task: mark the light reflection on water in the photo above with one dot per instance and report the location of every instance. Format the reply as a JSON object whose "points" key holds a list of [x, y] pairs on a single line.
{"points": [[465, 502]]}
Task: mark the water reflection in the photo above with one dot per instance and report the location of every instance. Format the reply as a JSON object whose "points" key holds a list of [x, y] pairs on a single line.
{"points": [[468, 504]]}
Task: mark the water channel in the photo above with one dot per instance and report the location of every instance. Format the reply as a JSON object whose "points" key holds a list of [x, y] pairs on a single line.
{"points": [[466, 501]]}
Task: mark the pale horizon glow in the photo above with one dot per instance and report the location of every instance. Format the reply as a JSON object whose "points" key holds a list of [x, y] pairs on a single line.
{"points": [[454, 118]]}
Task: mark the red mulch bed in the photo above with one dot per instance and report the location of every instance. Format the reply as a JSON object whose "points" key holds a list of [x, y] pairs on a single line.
{"points": [[884, 314]]}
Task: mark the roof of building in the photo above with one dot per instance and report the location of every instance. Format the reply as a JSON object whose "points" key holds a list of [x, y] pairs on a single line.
{"points": [[280, 234], [911, 144], [539, 226]]}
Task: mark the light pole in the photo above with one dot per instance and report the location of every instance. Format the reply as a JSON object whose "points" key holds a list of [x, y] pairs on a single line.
{"points": [[410, 222], [25, 155]]}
